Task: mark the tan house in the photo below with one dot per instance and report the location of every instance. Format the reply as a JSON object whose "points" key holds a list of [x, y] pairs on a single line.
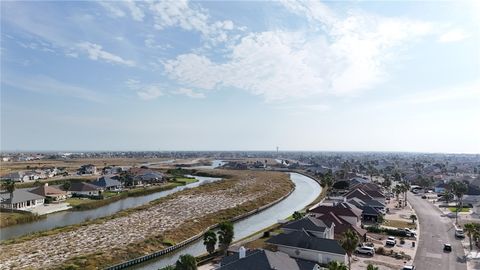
{"points": [[55, 194]]}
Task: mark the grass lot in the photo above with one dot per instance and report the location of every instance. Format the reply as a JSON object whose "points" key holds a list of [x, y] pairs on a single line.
{"points": [[399, 223], [185, 180], [454, 209], [12, 218]]}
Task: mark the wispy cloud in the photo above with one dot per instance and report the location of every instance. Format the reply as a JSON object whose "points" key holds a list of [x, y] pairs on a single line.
{"points": [[46, 85], [454, 35], [189, 93], [145, 91], [347, 56], [95, 52]]}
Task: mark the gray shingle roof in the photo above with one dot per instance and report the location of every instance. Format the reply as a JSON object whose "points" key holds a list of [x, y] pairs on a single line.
{"points": [[301, 239], [264, 260], [308, 224], [107, 181], [82, 186], [19, 195]]}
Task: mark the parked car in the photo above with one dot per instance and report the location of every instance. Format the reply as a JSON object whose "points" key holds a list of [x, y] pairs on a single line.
{"points": [[410, 232], [459, 233], [391, 241], [447, 247], [370, 251], [408, 267]]}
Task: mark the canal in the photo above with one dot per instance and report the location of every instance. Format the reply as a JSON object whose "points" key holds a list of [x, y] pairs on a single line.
{"points": [[66, 218], [306, 191]]}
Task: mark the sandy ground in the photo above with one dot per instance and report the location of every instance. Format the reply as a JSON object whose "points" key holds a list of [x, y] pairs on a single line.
{"points": [[43, 252]]}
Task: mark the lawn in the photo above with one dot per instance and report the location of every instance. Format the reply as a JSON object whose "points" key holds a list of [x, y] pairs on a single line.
{"points": [[399, 223], [454, 209], [186, 180], [78, 201]]}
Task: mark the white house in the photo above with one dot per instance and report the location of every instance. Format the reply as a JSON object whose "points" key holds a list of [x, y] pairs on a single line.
{"points": [[21, 200]]}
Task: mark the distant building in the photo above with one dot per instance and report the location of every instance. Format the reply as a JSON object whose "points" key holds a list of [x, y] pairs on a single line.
{"points": [[87, 169]]}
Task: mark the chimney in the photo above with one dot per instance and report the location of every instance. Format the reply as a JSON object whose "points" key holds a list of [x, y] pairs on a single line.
{"points": [[46, 184], [344, 199], [241, 252]]}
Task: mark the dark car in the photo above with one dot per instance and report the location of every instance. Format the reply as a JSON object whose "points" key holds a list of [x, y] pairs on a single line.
{"points": [[447, 247]]}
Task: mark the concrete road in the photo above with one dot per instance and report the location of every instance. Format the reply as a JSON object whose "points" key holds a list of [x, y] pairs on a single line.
{"points": [[435, 230]]}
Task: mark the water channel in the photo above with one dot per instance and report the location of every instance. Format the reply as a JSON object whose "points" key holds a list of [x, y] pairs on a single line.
{"points": [[306, 191], [65, 218]]}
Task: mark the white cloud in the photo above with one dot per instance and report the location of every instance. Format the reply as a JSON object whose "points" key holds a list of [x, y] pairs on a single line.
{"points": [[278, 65], [181, 14], [189, 93], [47, 85], [454, 35], [145, 91], [95, 52], [469, 91], [113, 9], [135, 11]]}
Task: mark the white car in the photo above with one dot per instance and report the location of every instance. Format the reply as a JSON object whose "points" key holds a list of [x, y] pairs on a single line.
{"points": [[459, 233], [365, 250], [408, 267], [410, 232], [391, 241]]}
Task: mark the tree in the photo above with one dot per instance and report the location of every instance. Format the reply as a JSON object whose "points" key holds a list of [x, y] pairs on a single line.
{"points": [[297, 215], [66, 185], [335, 265], [168, 267], [225, 234], [210, 240], [397, 190], [413, 218], [387, 182], [371, 267], [9, 186], [406, 189], [349, 243], [186, 262], [327, 182], [470, 229], [448, 196], [459, 189]]}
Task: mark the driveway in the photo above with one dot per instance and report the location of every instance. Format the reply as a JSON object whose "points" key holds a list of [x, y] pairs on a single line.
{"points": [[435, 230]]}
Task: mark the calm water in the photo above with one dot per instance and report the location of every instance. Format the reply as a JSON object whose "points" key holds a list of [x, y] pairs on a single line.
{"points": [[306, 190], [65, 218]]}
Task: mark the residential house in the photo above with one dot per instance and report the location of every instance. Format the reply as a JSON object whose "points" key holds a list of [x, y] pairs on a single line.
{"points": [[260, 259], [108, 183], [358, 180], [441, 187], [87, 169], [342, 225], [52, 193], [348, 212], [84, 189], [21, 200], [312, 225], [302, 245], [143, 176]]}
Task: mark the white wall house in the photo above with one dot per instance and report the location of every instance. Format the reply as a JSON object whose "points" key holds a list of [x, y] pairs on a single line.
{"points": [[21, 200]]}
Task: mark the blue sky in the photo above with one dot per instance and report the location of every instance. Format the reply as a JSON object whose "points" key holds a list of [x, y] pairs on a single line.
{"points": [[238, 75]]}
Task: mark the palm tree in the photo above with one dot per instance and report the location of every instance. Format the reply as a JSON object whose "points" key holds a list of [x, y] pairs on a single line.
{"points": [[225, 234], [210, 240], [371, 267], [349, 244], [9, 186], [406, 188], [186, 262], [470, 229], [335, 265], [413, 218], [448, 196], [327, 182], [459, 189], [297, 215], [397, 190]]}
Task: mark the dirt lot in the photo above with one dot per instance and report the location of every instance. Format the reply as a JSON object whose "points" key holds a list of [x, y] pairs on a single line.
{"points": [[105, 238]]}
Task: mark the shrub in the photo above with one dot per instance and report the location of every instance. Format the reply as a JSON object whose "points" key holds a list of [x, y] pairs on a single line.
{"points": [[380, 251], [402, 241]]}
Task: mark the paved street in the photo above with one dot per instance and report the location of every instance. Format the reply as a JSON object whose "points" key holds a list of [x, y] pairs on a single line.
{"points": [[435, 230]]}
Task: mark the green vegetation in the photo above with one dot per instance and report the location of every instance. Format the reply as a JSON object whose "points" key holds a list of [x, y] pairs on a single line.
{"points": [[349, 243], [186, 262], [210, 240], [185, 180], [225, 235], [297, 215], [454, 209], [13, 218], [335, 265]]}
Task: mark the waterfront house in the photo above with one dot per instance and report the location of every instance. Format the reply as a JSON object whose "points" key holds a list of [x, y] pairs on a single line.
{"points": [[52, 193], [302, 245], [146, 176], [84, 189], [312, 225], [260, 259], [21, 200], [348, 212], [108, 183]]}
